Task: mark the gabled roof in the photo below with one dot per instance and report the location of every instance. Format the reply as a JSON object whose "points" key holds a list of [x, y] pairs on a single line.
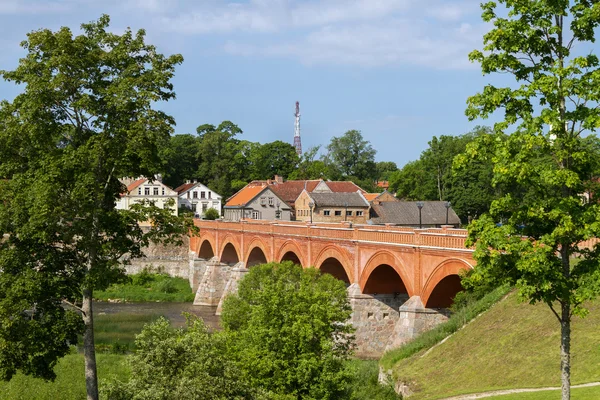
{"points": [[339, 199], [407, 213], [134, 185], [289, 191], [245, 195], [344, 187], [371, 196], [184, 188]]}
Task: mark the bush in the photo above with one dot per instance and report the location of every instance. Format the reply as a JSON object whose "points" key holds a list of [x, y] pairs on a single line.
{"points": [[143, 278], [179, 364], [211, 214], [166, 286], [288, 331]]}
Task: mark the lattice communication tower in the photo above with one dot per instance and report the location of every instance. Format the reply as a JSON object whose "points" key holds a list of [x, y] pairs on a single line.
{"points": [[297, 141]]}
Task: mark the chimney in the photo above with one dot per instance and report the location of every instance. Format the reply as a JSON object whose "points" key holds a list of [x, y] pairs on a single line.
{"points": [[187, 181], [278, 179]]}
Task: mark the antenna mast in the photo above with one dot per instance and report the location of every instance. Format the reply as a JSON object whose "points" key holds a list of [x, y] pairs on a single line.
{"points": [[297, 142]]}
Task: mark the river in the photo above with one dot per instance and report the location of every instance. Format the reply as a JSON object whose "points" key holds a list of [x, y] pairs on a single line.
{"points": [[171, 311]]}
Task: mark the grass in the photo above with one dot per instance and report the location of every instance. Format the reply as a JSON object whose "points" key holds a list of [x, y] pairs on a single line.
{"points": [[513, 345], [116, 332], [365, 383], [70, 382], [440, 332], [148, 287], [587, 393]]}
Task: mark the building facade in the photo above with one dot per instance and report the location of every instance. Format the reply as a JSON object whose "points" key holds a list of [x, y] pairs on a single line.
{"points": [[257, 202], [141, 190], [199, 198], [332, 207]]}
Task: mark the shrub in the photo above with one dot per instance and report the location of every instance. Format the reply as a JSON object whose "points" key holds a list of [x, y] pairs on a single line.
{"points": [[211, 214]]}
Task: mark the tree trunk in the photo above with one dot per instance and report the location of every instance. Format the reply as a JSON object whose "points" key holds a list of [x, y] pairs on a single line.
{"points": [[89, 351], [565, 350]]}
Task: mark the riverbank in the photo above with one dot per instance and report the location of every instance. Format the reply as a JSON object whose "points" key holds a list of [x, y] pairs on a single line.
{"points": [[148, 287]]}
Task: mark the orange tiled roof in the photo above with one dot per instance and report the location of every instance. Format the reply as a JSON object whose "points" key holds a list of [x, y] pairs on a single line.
{"points": [[244, 195], [133, 185], [289, 191], [383, 184], [371, 196], [344, 187]]}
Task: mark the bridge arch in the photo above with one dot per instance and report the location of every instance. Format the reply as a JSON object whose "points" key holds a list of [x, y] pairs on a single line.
{"points": [[206, 250], [291, 252], [257, 253], [229, 253], [326, 264], [443, 284], [386, 268]]}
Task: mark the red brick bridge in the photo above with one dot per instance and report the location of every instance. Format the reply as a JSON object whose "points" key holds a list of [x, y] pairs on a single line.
{"points": [[400, 280]]}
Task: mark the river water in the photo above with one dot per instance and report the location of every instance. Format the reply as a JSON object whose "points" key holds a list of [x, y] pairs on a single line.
{"points": [[172, 311]]}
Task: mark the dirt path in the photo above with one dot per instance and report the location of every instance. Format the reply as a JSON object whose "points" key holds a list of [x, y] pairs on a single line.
{"points": [[511, 391]]}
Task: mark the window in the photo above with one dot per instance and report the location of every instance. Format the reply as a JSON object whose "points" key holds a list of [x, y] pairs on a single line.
{"points": [[215, 204], [156, 191], [195, 195], [204, 206], [163, 191], [139, 191], [147, 191], [271, 201], [188, 195], [202, 195], [255, 214], [326, 212], [359, 213], [338, 213], [348, 213], [209, 194], [263, 201]]}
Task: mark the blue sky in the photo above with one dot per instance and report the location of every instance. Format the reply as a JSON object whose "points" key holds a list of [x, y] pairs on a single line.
{"points": [[395, 69]]}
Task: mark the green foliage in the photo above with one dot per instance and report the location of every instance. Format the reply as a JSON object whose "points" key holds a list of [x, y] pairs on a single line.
{"points": [[432, 176], [309, 167], [288, 331], [84, 119], [275, 158], [179, 364], [180, 158], [211, 214], [146, 287], [351, 155], [545, 163], [364, 383], [457, 320]]}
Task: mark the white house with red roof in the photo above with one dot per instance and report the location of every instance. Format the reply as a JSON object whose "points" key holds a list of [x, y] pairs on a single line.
{"points": [[198, 197], [144, 189]]}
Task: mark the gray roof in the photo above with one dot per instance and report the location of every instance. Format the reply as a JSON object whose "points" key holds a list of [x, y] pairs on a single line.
{"points": [[339, 200], [407, 213]]}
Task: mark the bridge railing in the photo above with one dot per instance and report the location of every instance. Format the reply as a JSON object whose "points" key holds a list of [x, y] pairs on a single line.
{"points": [[431, 237]]}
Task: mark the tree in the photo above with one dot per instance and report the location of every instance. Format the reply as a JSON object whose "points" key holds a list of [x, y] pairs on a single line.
{"points": [[351, 155], [181, 159], [84, 119], [275, 158], [545, 162], [289, 331], [217, 151], [309, 167], [178, 364], [385, 169]]}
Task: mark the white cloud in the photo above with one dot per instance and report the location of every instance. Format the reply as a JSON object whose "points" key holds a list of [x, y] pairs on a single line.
{"points": [[15, 7]]}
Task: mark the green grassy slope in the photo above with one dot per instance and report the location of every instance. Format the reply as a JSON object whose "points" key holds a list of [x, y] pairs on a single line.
{"points": [[513, 345]]}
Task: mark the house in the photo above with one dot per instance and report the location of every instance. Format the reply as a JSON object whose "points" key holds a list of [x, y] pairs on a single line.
{"points": [[376, 198], [257, 201], [288, 191], [433, 214], [332, 207], [198, 198], [142, 189]]}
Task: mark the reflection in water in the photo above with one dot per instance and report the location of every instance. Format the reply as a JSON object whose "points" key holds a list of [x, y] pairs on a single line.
{"points": [[172, 311]]}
